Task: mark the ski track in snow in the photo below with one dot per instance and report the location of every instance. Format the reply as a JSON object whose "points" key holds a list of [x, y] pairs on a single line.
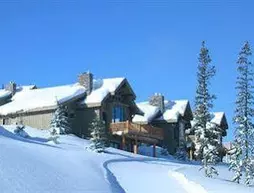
{"points": [[116, 186], [189, 186], [111, 178]]}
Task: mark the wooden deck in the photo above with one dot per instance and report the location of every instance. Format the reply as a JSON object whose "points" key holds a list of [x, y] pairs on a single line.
{"points": [[136, 131]]}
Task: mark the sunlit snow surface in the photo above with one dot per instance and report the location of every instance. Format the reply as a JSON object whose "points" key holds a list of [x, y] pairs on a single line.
{"points": [[34, 165]]}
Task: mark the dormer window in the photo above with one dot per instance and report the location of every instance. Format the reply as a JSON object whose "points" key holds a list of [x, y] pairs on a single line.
{"points": [[117, 114]]}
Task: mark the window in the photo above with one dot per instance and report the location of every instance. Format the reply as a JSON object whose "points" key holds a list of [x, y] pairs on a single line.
{"points": [[117, 114]]}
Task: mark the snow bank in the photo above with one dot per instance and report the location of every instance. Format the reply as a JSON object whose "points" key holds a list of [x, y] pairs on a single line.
{"points": [[32, 165], [189, 186]]}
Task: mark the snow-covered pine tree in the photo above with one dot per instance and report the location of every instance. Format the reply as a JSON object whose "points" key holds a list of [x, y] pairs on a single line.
{"points": [[206, 133], [235, 161], [98, 135], [242, 158], [181, 152], [164, 151], [60, 121]]}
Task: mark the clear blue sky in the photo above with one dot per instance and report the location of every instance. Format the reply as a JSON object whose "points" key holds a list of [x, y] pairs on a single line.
{"points": [[153, 44]]}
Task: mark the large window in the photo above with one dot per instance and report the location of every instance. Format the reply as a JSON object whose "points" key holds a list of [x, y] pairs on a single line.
{"points": [[117, 114]]}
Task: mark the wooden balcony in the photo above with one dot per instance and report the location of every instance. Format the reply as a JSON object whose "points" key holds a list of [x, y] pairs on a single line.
{"points": [[136, 131]]}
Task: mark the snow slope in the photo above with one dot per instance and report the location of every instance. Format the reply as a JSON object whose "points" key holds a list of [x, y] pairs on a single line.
{"points": [[35, 165]]}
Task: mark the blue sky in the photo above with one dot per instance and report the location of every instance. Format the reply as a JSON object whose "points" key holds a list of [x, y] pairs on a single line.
{"points": [[155, 44]]}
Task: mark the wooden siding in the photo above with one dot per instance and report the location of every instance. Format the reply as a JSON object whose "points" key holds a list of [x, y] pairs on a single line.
{"points": [[40, 120], [83, 119], [169, 140]]}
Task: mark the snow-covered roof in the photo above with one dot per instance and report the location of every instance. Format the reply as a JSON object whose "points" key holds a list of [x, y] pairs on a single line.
{"points": [[101, 88], [149, 111], [26, 87], [4, 93], [227, 145], [173, 109], [217, 117], [27, 99], [30, 98]]}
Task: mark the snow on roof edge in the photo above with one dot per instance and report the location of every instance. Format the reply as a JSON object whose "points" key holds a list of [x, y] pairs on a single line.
{"points": [[170, 114]]}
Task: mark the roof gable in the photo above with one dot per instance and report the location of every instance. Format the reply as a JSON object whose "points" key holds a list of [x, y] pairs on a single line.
{"points": [[219, 118], [173, 110], [149, 113], [101, 90]]}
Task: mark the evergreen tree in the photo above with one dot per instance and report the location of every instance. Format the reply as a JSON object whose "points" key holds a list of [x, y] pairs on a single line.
{"points": [[181, 153], [206, 133], [60, 121], [242, 151], [164, 151], [98, 135]]}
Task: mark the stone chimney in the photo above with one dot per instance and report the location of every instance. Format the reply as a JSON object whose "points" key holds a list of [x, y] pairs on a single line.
{"points": [[11, 87], [157, 100], [86, 79]]}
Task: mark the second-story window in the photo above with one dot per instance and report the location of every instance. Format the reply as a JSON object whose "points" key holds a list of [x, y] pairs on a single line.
{"points": [[117, 114]]}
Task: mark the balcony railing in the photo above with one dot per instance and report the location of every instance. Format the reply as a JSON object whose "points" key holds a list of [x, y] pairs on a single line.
{"points": [[132, 129]]}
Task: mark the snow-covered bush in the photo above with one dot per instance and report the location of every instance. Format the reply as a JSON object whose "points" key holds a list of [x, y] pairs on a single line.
{"points": [[54, 136], [164, 151], [98, 135], [181, 153], [60, 121], [20, 131]]}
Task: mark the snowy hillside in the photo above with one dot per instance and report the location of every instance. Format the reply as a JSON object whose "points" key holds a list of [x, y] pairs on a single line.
{"points": [[34, 165]]}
